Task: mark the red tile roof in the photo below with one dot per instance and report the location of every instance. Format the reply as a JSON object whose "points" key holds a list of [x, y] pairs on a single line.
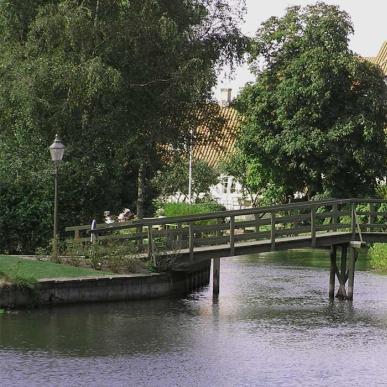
{"points": [[217, 137]]}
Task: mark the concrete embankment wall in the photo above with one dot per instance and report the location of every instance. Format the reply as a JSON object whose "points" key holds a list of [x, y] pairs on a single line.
{"points": [[114, 288]]}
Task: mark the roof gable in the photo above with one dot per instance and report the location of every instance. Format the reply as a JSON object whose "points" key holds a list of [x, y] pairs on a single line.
{"points": [[217, 144]]}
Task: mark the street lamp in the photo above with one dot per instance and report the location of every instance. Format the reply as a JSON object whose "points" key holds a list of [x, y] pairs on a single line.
{"points": [[57, 151]]}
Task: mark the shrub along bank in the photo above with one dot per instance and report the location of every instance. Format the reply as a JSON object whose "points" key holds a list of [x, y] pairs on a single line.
{"points": [[378, 256]]}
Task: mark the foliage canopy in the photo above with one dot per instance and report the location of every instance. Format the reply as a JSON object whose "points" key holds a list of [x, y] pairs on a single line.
{"points": [[115, 79], [315, 116]]}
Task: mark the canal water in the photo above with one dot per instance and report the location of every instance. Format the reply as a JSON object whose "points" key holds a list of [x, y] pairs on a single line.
{"points": [[272, 325]]}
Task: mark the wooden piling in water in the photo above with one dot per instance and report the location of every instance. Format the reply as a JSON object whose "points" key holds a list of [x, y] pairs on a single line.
{"points": [[342, 276], [332, 273], [351, 272], [215, 276]]}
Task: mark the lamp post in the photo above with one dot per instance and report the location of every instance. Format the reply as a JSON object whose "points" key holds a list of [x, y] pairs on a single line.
{"points": [[190, 169], [56, 151]]}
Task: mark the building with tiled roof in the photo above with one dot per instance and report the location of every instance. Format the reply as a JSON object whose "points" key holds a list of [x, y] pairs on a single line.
{"points": [[381, 58], [216, 144], [214, 150]]}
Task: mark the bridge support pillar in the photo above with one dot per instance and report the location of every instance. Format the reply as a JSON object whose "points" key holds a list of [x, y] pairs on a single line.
{"points": [[332, 274], [215, 276], [345, 275], [342, 275], [351, 272]]}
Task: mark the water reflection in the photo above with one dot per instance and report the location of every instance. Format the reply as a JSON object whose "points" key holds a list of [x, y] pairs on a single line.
{"points": [[271, 325]]}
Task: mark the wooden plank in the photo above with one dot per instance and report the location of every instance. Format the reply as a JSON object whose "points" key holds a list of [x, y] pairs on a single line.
{"points": [[335, 216], [179, 237], [133, 237], [211, 241], [313, 226], [292, 218], [272, 231], [373, 225], [344, 213], [211, 227], [353, 220], [252, 236], [292, 231], [150, 244], [171, 232], [333, 227], [324, 215], [253, 223], [219, 223]]}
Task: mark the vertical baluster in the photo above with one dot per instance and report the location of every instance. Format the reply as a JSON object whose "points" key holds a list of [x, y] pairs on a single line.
{"points": [[353, 220], [272, 230], [335, 218], [313, 225], [150, 245], [371, 216]]}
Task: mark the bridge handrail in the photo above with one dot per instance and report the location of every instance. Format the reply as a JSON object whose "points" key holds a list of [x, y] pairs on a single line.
{"points": [[224, 214]]}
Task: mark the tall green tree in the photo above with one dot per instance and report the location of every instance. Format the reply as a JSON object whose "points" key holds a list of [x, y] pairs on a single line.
{"points": [[315, 116], [117, 79]]}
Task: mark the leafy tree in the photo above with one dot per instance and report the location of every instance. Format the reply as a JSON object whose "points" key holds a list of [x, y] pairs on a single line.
{"points": [[315, 115], [173, 179], [116, 79], [255, 180]]}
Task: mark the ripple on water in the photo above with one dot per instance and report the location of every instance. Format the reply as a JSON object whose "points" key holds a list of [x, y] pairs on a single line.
{"points": [[272, 325]]}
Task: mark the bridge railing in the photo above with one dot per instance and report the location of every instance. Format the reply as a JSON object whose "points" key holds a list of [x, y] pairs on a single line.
{"points": [[231, 228]]}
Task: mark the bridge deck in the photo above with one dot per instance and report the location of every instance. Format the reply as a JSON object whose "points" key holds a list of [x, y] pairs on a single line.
{"points": [[325, 240]]}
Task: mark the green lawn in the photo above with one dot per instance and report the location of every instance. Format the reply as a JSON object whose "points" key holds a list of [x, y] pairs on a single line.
{"points": [[22, 270]]}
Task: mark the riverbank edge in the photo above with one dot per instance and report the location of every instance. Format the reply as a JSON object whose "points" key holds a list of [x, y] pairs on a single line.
{"points": [[56, 291]]}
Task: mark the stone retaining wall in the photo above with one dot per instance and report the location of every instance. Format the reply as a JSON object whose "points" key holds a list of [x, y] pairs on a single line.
{"points": [[112, 288]]}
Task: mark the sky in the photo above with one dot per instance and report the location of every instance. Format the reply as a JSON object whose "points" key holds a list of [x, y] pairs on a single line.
{"points": [[369, 18]]}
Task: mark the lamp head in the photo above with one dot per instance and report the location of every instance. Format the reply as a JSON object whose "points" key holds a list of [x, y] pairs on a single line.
{"points": [[57, 150]]}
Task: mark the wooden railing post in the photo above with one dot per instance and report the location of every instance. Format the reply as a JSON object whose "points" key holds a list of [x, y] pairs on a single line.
{"points": [[232, 235], [219, 222], [335, 218], [179, 237], [353, 220], [272, 230], [150, 245], [371, 216], [140, 242], [191, 241], [313, 226], [93, 233], [76, 234]]}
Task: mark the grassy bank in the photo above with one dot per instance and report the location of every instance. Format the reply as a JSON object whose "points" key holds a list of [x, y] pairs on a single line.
{"points": [[378, 256], [24, 271]]}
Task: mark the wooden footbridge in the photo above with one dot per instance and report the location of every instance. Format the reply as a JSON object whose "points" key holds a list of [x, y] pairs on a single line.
{"points": [[343, 226]]}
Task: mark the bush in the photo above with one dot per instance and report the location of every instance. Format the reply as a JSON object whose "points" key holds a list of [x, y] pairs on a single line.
{"points": [[184, 209], [378, 255]]}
